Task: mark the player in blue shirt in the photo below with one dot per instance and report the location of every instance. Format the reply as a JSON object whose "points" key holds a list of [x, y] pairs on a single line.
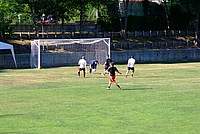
{"points": [[93, 65]]}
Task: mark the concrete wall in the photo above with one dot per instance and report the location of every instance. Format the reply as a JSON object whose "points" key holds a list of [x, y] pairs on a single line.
{"points": [[141, 56], [7, 61], [150, 56]]}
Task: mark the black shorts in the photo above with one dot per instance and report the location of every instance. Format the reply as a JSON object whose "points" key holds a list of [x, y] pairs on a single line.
{"points": [[93, 67], [81, 69], [131, 68], [106, 67]]}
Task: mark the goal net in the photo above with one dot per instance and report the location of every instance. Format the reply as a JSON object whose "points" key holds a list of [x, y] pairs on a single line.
{"points": [[62, 52]]}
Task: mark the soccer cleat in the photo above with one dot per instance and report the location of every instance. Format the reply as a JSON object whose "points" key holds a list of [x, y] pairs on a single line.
{"points": [[108, 88]]}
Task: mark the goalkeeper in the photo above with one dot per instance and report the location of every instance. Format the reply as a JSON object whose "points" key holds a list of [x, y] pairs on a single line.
{"points": [[93, 65]]}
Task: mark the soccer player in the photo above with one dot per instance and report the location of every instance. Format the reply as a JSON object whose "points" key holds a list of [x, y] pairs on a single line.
{"points": [[112, 69], [93, 65], [130, 65], [107, 64], [82, 66]]}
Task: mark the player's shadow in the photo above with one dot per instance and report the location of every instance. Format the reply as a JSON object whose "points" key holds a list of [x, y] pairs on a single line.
{"points": [[10, 115], [100, 77], [1, 70], [157, 76], [137, 88]]}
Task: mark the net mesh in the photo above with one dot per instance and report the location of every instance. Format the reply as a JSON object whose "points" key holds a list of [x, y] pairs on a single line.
{"points": [[34, 54], [59, 52]]}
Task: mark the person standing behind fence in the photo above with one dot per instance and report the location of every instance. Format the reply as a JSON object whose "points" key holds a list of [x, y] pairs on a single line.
{"points": [[130, 65], [82, 66]]}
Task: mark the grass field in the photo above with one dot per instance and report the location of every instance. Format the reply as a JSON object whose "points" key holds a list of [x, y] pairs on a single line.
{"points": [[160, 99]]}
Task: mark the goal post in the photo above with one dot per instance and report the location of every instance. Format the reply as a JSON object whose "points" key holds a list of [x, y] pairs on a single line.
{"points": [[63, 52], [35, 54]]}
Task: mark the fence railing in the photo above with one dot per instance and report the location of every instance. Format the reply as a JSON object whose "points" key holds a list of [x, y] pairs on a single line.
{"points": [[88, 30], [173, 44], [94, 34]]}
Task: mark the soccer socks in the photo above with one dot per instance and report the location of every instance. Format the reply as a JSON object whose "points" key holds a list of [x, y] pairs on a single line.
{"points": [[78, 74], [119, 86], [90, 70], [131, 75], [84, 74]]}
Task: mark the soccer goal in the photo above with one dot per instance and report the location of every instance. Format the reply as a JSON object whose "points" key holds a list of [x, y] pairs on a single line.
{"points": [[63, 52]]}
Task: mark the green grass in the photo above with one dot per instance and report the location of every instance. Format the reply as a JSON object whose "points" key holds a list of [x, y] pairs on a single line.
{"points": [[160, 99]]}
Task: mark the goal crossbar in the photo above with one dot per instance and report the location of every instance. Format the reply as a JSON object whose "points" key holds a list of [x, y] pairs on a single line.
{"points": [[45, 52]]}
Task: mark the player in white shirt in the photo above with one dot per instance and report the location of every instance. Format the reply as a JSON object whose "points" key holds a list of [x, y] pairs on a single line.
{"points": [[130, 65], [82, 66]]}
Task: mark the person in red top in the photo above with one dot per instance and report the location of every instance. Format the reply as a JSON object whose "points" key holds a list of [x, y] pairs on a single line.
{"points": [[112, 69]]}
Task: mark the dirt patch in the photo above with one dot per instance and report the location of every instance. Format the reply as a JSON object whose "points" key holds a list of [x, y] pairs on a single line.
{"points": [[20, 42], [24, 46]]}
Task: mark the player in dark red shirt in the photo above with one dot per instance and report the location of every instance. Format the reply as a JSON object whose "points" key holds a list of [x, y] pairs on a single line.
{"points": [[112, 69]]}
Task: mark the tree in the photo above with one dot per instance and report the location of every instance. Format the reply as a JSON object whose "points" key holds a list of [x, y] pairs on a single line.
{"points": [[126, 18], [167, 14], [193, 7], [107, 14], [60, 9], [124, 26], [146, 4], [9, 14]]}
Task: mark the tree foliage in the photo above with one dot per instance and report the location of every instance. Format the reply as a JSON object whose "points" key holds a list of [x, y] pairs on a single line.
{"points": [[11, 12], [105, 12]]}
